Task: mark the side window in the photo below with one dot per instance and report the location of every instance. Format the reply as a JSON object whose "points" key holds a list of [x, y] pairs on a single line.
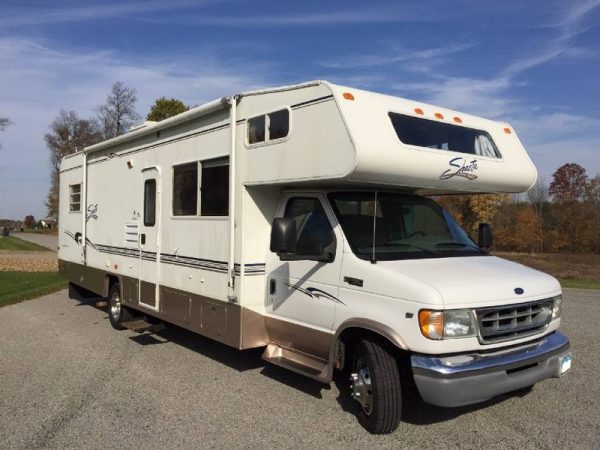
{"points": [[214, 190], [150, 203], [185, 190], [268, 127], [314, 232], [75, 197]]}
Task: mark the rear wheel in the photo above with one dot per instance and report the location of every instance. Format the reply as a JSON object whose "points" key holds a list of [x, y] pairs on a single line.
{"points": [[375, 385], [117, 312]]}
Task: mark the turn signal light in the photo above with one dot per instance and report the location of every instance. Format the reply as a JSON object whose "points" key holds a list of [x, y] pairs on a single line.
{"points": [[457, 119], [438, 116], [348, 96], [507, 131], [419, 111], [431, 323]]}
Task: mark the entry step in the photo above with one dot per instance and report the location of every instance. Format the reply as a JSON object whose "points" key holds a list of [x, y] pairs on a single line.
{"points": [[141, 326], [296, 361]]}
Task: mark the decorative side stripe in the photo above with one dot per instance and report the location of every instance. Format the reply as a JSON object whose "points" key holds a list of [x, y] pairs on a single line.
{"points": [[316, 293], [184, 261]]}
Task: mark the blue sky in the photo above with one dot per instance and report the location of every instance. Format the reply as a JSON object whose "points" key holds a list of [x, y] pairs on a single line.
{"points": [[534, 64]]}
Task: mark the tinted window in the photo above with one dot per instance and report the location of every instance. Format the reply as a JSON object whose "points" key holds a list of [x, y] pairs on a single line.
{"points": [[214, 197], [279, 124], [314, 232], [185, 190], [443, 136], [150, 203]]}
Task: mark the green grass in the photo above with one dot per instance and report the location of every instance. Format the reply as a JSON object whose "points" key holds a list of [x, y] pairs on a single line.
{"points": [[13, 243], [581, 284], [18, 286]]}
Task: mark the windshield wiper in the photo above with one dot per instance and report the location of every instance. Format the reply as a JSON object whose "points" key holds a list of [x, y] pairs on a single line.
{"points": [[404, 244], [455, 244]]}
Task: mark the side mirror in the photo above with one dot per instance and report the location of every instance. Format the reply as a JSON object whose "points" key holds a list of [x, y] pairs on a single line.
{"points": [[485, 235], [283, 235]]}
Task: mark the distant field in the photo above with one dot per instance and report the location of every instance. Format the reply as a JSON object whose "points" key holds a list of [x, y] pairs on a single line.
{"points": [[13, 243], [573, 270], [19, 286]]}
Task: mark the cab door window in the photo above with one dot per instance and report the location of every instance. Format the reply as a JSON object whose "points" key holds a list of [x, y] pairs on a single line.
{"points": [[314, 232]]}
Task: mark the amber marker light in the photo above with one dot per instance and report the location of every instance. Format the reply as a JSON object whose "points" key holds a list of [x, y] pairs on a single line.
{"points": [[431, 323], [507, 131], [457, 119], [348, 96], [438, 116], [419, 111]]}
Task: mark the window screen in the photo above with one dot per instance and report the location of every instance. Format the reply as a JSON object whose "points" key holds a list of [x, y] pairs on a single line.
{"points": [[256, 130], [443, 136], [75, 197], [279, 124], [185, 189], [214, 189], [150, 203]]}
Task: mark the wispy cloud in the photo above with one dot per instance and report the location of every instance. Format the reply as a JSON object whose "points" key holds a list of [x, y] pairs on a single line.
{"points": [[82, 12], [396, 55], [44, 78]]}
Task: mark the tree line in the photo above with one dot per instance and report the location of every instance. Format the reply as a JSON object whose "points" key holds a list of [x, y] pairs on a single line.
{"points": [[70, 133], [562, 216]]}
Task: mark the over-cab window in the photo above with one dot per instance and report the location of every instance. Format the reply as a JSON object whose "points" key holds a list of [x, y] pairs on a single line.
{"points": [[75, 197], [211, 179], [268, 127], [443, 136]]}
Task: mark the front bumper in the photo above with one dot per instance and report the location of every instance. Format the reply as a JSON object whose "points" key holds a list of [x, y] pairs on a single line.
{"points": [[475, 377]]}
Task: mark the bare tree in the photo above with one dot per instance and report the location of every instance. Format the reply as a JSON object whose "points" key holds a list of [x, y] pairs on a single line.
{"points": [[118, 114], [68, 134], [4, 122], [538, 195]]}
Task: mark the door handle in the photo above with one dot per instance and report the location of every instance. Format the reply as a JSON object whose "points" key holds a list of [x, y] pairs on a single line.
{"points": [[143, 238], [272, 286]]}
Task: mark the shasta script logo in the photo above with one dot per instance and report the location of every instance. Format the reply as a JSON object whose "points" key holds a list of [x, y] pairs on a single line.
{"points": [[460, 167]]}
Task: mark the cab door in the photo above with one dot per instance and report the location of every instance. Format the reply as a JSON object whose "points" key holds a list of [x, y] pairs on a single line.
{"points": [[306, 292], [149, 240]]}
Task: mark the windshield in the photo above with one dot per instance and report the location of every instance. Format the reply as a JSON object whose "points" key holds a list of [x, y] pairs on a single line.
{"points": [[403, 227]]}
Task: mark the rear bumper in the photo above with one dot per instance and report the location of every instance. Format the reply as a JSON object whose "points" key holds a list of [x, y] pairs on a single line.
{"points": [[472, 378]]}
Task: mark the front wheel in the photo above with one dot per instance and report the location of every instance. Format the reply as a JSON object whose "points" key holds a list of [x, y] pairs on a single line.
{"points": [[375, 385]]}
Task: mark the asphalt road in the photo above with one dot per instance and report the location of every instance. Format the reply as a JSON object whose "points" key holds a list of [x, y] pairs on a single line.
{"points": [[45, 240], [68, 380]]}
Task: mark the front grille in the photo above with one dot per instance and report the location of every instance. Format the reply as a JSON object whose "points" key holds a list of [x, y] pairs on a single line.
{"points": [[504, 323]]}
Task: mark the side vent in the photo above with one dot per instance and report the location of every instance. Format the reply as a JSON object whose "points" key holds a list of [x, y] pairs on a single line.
{"points": [[131, 234]]}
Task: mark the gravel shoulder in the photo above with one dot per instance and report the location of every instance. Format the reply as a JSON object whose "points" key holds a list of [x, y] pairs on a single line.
{"points": [[68, 380]]}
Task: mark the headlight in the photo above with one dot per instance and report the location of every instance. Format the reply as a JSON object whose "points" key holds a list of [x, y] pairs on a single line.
{"points": [[449, 324], [557, 307]]}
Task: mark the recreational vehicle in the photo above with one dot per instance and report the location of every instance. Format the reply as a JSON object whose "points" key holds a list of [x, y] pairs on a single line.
{"points": [[300, 219]]}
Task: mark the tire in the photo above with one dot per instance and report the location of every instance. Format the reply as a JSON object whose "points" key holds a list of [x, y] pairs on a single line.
{"points": [[117, 312], [376, 378]]}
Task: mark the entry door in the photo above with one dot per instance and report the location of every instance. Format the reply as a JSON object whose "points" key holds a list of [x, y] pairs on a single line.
{"points": [[306, 292], [149, 240]]}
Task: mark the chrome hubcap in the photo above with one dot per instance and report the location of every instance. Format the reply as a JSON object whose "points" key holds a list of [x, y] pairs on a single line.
{"points": [[360, 385], [115, 306]]}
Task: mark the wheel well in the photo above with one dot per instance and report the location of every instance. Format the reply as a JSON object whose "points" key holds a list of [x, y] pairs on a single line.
{"points": [[351, 335], [110, 281]]}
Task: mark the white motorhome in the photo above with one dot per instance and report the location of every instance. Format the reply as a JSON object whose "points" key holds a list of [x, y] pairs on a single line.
{"points": [[298, 219]]}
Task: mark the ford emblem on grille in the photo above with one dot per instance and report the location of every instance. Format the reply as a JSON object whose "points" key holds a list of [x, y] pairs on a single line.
{"points": [[519, 291]]}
